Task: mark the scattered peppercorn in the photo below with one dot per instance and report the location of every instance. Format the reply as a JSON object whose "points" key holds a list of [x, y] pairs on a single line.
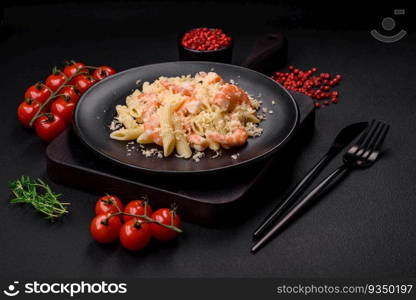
{"points": [[318, 87], [205, 39]]}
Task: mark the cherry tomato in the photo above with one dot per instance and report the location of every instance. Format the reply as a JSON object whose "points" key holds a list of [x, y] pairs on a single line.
{"points": [[135, 235], [71, 92], [108, 204], [55, 80], [136, 207], [167, 217], [37, 92], [73, 67], [84, 82], [103, 72], [49, 126], [104, 228], [63, 108], [26, 111]]}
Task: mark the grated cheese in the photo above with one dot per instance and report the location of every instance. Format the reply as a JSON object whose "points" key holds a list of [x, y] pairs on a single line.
{"points": [[235, 156], [115, 124], [253, 130], [198, 155], [217, 154], [152, 152]]}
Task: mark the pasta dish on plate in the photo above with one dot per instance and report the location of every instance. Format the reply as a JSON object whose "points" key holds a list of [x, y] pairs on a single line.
{"points": [[188, 112]]}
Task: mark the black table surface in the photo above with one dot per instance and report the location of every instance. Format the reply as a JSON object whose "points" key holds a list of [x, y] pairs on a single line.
{"points": [[364, 228]]}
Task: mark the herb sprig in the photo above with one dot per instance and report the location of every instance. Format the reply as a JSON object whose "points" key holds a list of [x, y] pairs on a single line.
{"points": [[39, 195]]}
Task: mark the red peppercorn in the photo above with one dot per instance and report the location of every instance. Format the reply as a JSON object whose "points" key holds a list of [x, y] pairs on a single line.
{"points": [[205, 39], [315, 86]]}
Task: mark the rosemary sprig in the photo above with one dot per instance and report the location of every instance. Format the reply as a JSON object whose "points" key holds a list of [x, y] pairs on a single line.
{"points": [[30, 191]]}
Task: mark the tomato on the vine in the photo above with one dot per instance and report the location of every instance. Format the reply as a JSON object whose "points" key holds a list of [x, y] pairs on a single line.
{"points": [[135, 234], [49, 126], [55, 80], [136, 207], [38, 92], [84, 82], [26, 111], [64, 108], [72, 92], [105, 228], [74, 67], [168, 217], [103, 72], [108, 204]]}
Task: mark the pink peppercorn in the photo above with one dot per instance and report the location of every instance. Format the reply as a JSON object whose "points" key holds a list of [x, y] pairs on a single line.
{"points": [[316, 86], [205, 39]]}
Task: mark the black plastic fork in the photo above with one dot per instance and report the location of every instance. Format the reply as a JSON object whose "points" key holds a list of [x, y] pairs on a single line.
{"points": [[362, 154]]}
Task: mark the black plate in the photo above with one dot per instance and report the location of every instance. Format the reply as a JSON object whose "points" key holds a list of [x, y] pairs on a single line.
{"points": [[96, 109]]}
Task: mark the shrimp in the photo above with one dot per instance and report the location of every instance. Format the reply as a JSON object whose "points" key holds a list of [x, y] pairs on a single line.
{"points": [[148, 97], [151, 122], [237, 137], [184, 88], [230, 96], [197, 142], [211, 77], [191, 106], [187, 128]]}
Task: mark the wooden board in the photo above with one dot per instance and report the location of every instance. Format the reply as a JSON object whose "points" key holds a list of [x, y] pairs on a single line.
{"points": [[204, 200]]}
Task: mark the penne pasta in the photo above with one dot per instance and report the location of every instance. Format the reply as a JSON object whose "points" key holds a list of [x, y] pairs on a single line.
{"points": [[136, 111], [144, 139], [125, 118], [182, 146], [188, 113], [133, 97], [177, 104], [127, 134], [166, 129]]}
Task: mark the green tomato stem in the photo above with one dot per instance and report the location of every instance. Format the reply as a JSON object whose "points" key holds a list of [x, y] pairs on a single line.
{"points": [[147, 219], [54, 94]]}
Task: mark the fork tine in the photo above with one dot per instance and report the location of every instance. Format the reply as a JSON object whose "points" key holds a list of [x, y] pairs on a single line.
{"points": [[373, 154], [375, 139], [358, 144], [380, 140], [370, 135], [364, 134], [371, 144], [362, 147]]}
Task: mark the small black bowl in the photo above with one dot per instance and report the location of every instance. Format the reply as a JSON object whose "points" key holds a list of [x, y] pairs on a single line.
{"points": [[223, 55]]}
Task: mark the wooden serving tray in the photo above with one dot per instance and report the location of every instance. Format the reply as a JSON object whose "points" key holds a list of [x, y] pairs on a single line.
{"points": [[202, 199]]}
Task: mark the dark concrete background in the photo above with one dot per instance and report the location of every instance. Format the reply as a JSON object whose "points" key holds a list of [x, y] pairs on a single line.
{"points": [[363, 228]]}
